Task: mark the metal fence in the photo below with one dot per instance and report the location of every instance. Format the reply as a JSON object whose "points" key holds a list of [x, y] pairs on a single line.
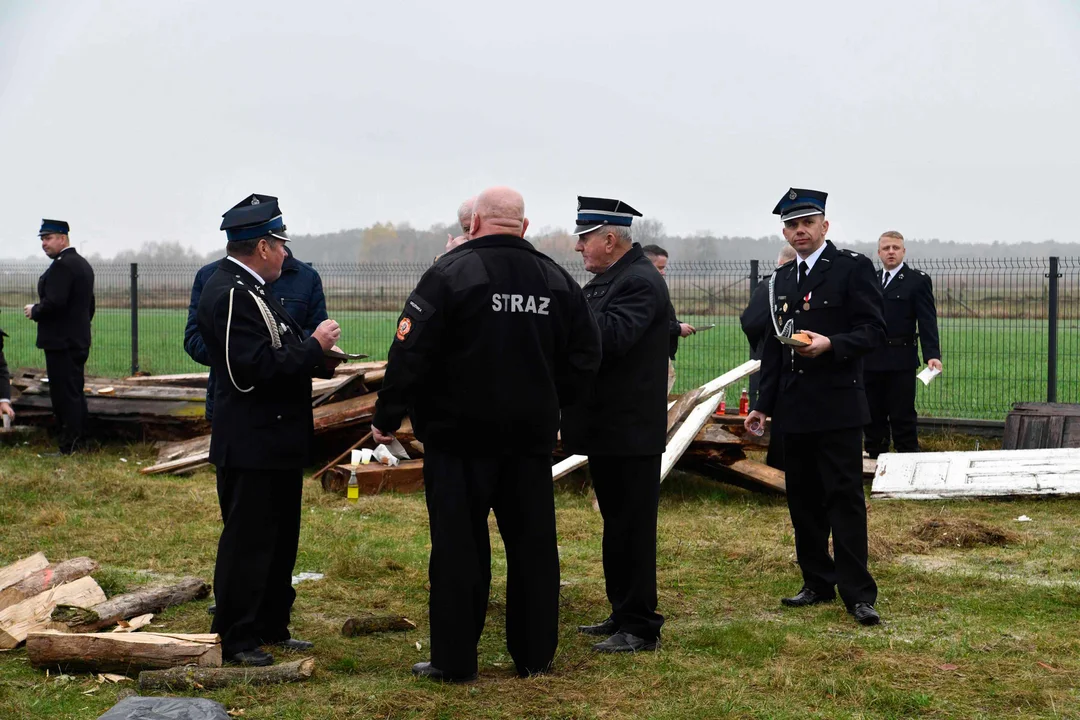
{"points": [[1008, 326]]}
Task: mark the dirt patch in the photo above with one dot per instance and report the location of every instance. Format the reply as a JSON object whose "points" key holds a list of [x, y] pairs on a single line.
{"points": [[961, 533]]}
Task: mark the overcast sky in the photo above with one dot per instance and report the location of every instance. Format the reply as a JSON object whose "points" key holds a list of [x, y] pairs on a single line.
{"points": [[137, 120]]}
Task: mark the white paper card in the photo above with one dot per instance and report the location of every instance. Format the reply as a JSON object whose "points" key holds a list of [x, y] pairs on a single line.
{"points": [[928, 373]]}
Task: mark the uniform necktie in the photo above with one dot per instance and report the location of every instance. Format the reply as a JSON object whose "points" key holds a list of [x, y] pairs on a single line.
{"points": [[803, 270], [885, 279]]}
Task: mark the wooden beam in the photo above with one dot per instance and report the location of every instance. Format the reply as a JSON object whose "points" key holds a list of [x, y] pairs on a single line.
{"points": [[22, 569], [188, 678], [121, 652]]}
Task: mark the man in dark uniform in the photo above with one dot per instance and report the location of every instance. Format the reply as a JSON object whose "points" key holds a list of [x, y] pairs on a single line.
{"points": [[757, 325], [815, 396], [623, 427], [299, 290], [910, 316], [658, 256], [262, 430], [63, 314], [5, 382], [495, 319]]}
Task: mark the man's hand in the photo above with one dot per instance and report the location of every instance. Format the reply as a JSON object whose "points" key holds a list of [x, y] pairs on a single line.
{"points": [[381, 437], [755, 421], [686, 329], [5, 409], [28, 310], [333, 362], [934, 363], [327, 334], [818, 344], [452, 242]]}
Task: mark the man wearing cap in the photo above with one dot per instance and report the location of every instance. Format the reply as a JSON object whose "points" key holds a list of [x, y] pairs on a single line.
{"points": [[658, 256], [814, 393], [261, 432], [910, 316], [63, 313], [299, 290], [492, 318], [623, 426]]}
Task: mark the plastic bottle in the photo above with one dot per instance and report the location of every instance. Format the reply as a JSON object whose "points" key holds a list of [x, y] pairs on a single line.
{"points": [[354, 487], [723, 405], [744, 403]]}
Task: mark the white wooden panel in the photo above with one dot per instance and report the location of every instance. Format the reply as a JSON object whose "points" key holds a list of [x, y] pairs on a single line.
{"points": [[989, 473]]}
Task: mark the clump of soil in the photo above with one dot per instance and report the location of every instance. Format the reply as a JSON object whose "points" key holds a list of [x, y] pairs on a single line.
{"points": [[961, 533]]}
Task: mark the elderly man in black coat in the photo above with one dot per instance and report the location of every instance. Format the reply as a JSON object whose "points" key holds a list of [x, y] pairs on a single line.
{"points": [[814, 393], [63, 313], [262, 430], [623, 427]]}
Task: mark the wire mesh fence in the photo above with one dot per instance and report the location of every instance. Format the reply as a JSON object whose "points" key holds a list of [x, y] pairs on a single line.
{"points": [[994, 319]]}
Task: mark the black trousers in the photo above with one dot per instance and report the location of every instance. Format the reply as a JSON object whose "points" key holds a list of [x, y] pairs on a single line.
{"points": [[825, 493], [460, 493], [253, 589], [65, 369], [628, 492], [891, 395]]}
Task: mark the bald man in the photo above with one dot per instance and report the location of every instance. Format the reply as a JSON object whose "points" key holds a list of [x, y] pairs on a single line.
{"points": [[497, 320]]}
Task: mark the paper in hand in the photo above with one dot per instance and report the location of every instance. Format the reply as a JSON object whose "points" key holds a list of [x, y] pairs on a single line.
{"points": [[928, 373]]}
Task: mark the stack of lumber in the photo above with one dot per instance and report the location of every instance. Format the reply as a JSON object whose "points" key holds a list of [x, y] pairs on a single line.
{"points": [[56, 609], [343, 402]]}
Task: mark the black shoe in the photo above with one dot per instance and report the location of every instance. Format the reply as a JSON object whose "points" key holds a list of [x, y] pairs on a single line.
{"points": [[807, 597], [294, 644], [212, 609], [624, 642], [427, 670], [251, 658], [865, 614], [603, 629]]}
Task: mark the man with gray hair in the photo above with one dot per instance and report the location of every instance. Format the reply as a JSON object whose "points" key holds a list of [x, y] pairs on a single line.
{"points": [[623, 426], [464, 216]]}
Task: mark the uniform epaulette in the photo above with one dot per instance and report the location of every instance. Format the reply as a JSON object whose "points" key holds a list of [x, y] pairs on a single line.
{"points": [[854, 254], [921, 273]]}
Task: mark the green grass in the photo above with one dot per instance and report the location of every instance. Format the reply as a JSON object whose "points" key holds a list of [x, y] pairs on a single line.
{"points": [[1005, 617], [989, 364]]}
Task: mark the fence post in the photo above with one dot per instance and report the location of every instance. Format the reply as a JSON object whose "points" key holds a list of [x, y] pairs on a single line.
{"points": [[134, 318], [1051, 338]]}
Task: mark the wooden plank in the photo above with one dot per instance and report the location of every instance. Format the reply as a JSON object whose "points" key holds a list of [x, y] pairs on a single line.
{"points": [[122, 652], [760, 474], [183, 464], [183, 448], [685, 434], [33, 613], [682, 407], [568, 465], [22, 569], [993, 473], [345, 413], [340, 385], [196, 380], [714, 434]]}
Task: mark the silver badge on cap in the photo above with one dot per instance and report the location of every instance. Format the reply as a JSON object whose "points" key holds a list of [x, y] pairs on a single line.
{"points": [[254, 201], [792, 195]]}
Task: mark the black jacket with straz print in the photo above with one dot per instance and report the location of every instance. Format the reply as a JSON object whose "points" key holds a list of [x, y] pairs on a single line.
{"points": [[495, 338]]}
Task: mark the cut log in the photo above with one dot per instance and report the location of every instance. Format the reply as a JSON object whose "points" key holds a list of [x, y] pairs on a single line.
{"points": [[188, 678], [46, 578], [376, 623], [121, 652], [77, 618], [22, 569], [374, 478], [33, 613]]}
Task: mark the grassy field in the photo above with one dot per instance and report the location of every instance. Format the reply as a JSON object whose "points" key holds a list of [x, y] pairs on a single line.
{"points": [[989, 364], [970, 632]]}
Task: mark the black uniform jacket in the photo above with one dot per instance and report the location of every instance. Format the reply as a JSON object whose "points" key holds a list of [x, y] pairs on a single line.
{"points": [[674, 331], [5, 376], [66, 305], [262, 402], [495, 338], [909, 300], [840, 298], [755, 321], [627, 413]]}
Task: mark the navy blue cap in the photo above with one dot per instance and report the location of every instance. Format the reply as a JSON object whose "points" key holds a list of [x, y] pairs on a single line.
{"points": [[254, 217], [49, 227], [798, 203], [593, 213]]}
